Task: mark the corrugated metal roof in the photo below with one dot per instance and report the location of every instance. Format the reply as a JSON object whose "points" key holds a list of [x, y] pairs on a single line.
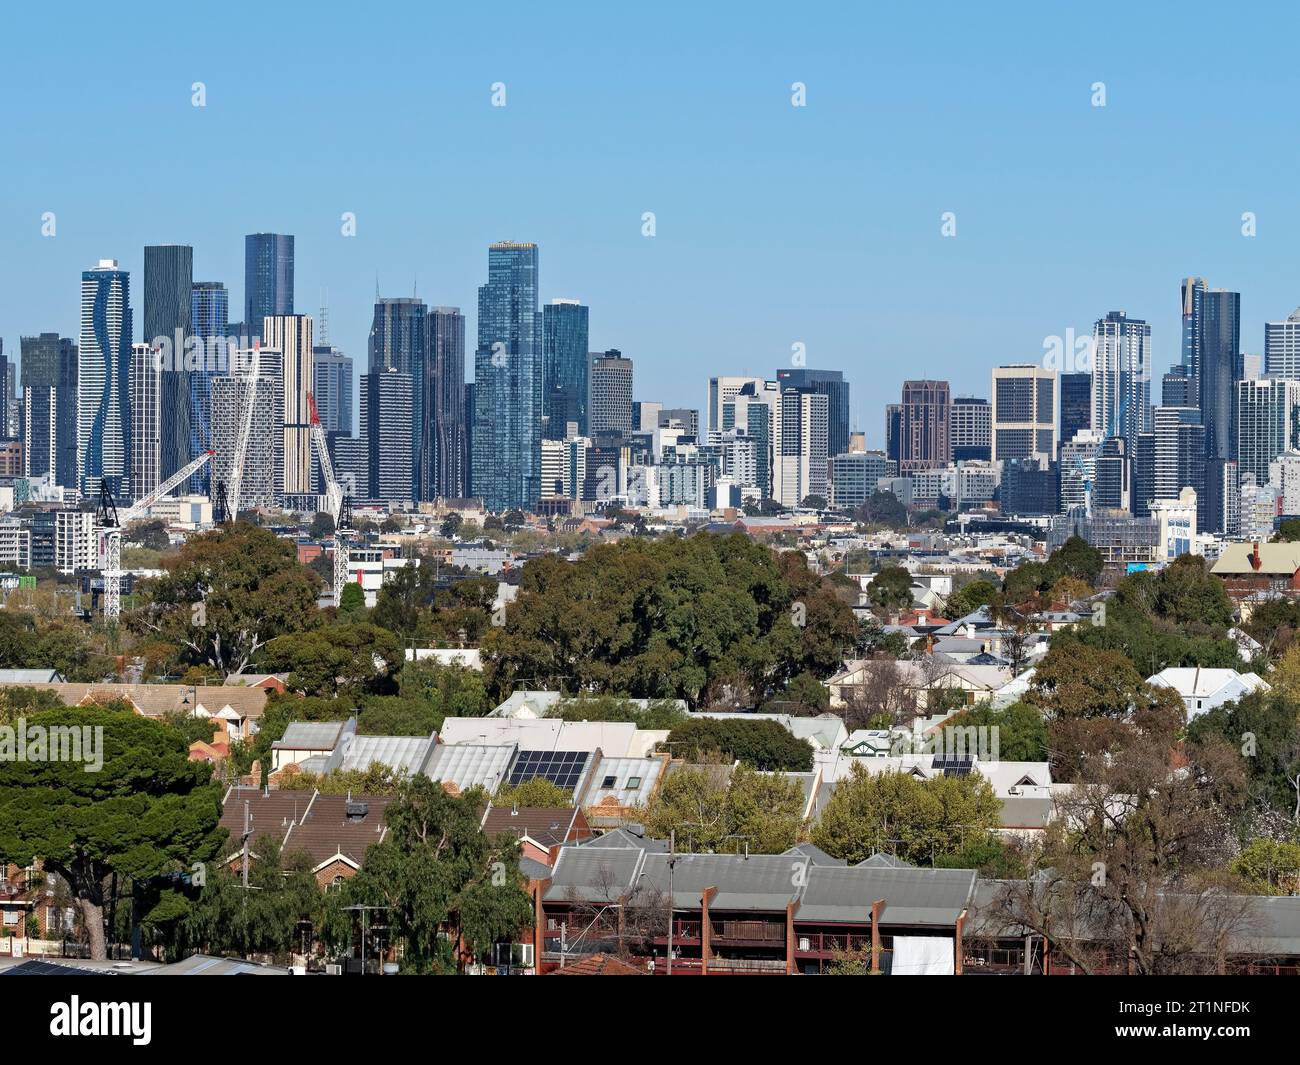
{"points": [[311, 736], [402, 753], [468, 765], [600, 874], [644, 771], [759, 882], [912, 896]]}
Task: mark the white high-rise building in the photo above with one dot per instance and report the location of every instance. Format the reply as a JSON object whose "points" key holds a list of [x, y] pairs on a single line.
{"points": [[802, 441], [722, 389], [1121, 376], [263, 466], [291, 335], [146, 428], [1079, 468], [1284, 478], [1268, 423], [1282, 347]]}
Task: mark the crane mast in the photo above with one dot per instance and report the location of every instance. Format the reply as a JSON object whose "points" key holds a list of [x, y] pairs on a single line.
{"points": [[333, 493]]}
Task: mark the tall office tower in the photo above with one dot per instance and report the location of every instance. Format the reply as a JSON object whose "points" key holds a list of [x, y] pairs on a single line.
{"points": [[350, 456], [1193, 288], [972, 429], [645, 415], [103, 382], [1031, 487], [13, 401], [6, 389], [1176, 389], [469, 439], [262, 478], [1220, 370], [1079, 468], [1075, 405], [894, 432], [49, 377], [802, 444], [147, 378], [1111, 487], [445, 439], [854, 475], [290, 335], [756, 411], [1284, 477], [722, 389], [168, 285], [268, 279], [332, 388], [1249, 367], [387, 410], [399, 341], [1221, 511], [923, 426], [554, 456], [1169, 458], [1282, 347], [611, 393], [1024, 412], [1121, 376], [831, 384], [1268, 424], [507, 442], [209, 323], [566, 367]]}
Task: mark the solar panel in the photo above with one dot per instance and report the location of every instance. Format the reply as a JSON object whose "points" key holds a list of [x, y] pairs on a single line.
{"points": [[953, 765], [562, 768]]}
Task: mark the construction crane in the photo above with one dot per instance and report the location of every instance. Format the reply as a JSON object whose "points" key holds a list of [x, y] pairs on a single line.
{"points": [[334, 501], [244, 432], [111, 523]]}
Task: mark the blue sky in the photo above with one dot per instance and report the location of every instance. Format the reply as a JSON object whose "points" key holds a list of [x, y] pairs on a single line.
{"points": [[775, 224]]}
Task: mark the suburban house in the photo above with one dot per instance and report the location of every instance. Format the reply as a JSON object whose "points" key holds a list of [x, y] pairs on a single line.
{"points": [[1204, 689], [1249, 570]]}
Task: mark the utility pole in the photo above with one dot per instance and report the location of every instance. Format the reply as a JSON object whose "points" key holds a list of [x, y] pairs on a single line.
{"points": [[672, 861], [247, 834]]}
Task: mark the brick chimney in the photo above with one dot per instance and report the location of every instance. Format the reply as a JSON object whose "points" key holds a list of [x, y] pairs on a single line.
{"points": [[1255, 560]]}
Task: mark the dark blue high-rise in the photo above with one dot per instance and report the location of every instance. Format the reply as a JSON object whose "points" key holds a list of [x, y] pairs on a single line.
{"points": [[268, 279]]}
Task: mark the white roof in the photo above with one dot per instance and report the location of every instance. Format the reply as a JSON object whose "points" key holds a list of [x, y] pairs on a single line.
{"points": [[1194, 682], [615, 739]]}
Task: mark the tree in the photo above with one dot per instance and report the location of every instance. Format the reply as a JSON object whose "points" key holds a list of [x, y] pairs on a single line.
{"points": [[348, 658], [1021, 729], [437, 872], [882, 508], [1265, 728], [352, 602], [898, 813], [891, 589], [1078, 559], [536, 792], [761, 744], [814, 502], [969, 599], [227, 593], [322, 526], [886, 696], [1269, 866], [709, 812], [148, 810], [450, 525]]}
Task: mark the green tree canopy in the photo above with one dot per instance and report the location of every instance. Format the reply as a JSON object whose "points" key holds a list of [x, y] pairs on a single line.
{"points": [[761, 744]]}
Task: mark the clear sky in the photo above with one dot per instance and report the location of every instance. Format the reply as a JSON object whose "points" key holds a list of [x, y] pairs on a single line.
{"points": [[775, 225]]}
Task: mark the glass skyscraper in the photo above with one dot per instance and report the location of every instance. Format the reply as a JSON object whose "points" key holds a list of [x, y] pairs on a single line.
{"points": [[168, 298], [565, 367], [508, 381], [103, 381], [209, 318], [268, 279], [49, 390], [1220, 370], [828, 383], [443, 447], [398, 342]]}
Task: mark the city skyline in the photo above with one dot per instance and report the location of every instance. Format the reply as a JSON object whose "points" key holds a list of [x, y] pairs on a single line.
{"points": [[840, 247]]}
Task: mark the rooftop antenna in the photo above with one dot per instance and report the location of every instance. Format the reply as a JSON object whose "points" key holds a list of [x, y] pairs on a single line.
{"points": [[324, 318]]}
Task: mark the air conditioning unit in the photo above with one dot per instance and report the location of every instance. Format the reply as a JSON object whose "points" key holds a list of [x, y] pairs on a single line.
{"points": [[334, 970]]}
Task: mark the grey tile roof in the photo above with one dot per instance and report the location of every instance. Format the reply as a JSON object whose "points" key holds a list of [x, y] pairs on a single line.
{"points": [[600, 874], [814, 854], [931, 897], [759, 882]]}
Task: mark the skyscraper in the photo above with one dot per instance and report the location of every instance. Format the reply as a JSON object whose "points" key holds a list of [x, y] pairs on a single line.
{"points": [[924, 422], [1268, 424], [566, 367], [1121, 376], [147, 378], [1024, 412], [209, 323], [611, 393], [268, 279], [49, 378], [831, 384], [1169, 458], [1075, 406], [332, 388], [387, 404], [722, 389], [1282, 347], [508, 381], [972, 429], [168, 314], [291, 335], [398, 341], [445, 440], [1177, 389], [262, 477], [103, 381], [802, 445], [1219, 372], [1192, 290]]}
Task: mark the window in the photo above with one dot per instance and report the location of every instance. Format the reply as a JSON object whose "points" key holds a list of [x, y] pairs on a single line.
{"points": [[633, 783], [610, 782]]}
